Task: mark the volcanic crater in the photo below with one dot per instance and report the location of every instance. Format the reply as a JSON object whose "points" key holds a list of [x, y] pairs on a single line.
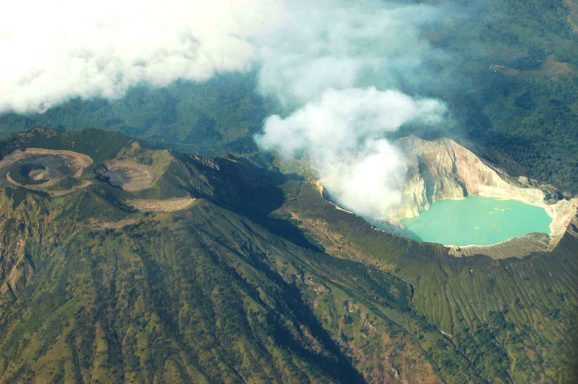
{"points": [[134, 172], [55, 172], [442, 169]]}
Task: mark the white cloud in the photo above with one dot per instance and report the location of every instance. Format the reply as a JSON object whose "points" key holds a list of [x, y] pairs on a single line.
{"points": [[324, 59], [342, 44], [53, 50]]}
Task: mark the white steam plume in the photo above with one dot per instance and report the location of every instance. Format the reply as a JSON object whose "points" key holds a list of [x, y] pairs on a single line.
{"points": [[329, 62], [342, 135]]}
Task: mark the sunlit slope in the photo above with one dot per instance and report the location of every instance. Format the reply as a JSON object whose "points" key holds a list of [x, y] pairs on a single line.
{"points": [[93, 291], [512, 319], [260, 280]]}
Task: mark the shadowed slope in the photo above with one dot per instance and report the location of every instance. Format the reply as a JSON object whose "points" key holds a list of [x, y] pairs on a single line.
{"points": [[262, 280], [92, 291]]}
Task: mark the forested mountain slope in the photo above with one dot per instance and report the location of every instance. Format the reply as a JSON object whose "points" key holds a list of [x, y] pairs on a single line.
{"points": [[260, 280]]}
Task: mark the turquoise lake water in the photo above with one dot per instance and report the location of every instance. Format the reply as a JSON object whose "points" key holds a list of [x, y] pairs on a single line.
{"points": [[477, 220]]}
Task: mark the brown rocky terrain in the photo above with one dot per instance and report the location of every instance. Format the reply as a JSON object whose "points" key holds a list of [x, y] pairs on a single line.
{"points": [[48, 167], [162, 205], [128, 175]]}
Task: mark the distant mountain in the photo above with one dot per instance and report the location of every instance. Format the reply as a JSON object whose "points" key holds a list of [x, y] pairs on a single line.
{"points": [[510, 80], [147, 265]]}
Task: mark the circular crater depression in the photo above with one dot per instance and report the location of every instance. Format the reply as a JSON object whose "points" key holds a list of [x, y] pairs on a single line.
{"points": [[477, 220], [54, 172], [128, 175]]}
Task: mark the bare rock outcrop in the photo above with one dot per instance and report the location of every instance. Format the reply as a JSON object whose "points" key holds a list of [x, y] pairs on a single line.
{"points": [[443, 169], [162, 205], [128, 175]]}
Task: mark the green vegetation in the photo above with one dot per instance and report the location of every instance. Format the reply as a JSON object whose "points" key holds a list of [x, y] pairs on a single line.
{"points": [[518, 103], [509, 75], [513, 320], [93, 292], [217, 116], [262, 281]]}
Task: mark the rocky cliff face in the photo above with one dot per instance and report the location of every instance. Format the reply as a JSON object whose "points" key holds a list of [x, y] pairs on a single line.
{"points": [[443, 169]]}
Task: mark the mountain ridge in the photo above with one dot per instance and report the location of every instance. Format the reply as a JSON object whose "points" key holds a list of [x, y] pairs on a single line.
{"points": [[261, 280]]}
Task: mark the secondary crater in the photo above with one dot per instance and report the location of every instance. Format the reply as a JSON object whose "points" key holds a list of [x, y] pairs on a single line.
{"points": [[148, 179], [128, 175], [55, 172]]}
